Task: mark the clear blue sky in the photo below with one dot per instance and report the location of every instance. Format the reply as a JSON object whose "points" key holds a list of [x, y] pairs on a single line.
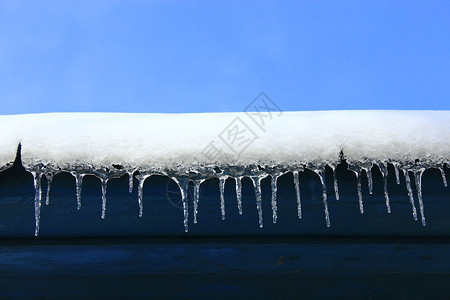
{"points": [[204, 56]]}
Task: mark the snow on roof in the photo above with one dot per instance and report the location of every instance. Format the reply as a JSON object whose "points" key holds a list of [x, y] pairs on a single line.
{"points": [[200, 146], [170, 140]]}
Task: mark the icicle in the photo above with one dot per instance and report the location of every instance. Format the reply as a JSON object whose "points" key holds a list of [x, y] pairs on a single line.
{"points": [[384, 172], [444, 179], [274, 198], [297, 192], [369, 179], [324, 195], [104, 187], [222, 181], [197, 184], [130, 181], [257, 186], [239, 193], [336, 188], [397, 173], [410, 193], [358, 187], [49, 185], [418, 181], [78, 184], [37, 200], [183, 185], [140, 195], [142, 179]]}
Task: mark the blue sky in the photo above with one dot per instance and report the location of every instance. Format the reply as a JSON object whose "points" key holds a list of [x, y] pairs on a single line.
{"points": [[205, 56]]}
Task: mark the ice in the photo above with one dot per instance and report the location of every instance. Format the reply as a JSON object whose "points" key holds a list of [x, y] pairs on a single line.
{"points": [[418, 180], [336, 187], [37, 175], [257, 186], [384, 171], [141, 177], [321, 174], [369, 178], [357, 172], [78, 185], [255, 172], [444, 179], [358, 184], [49, 177], [197, 184], [130, 181], [238, 180], [222, 181], [397, 173], [274, 179], [104, 189], [183, 185], [410, 193], [297, 192], [108, 146]]}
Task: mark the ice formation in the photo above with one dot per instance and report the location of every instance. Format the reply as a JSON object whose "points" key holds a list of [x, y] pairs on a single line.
{"points": [[197, 147]]}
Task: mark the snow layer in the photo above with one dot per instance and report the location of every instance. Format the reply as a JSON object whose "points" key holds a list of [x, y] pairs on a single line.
{"points": [[173, 140], [191, 147]]}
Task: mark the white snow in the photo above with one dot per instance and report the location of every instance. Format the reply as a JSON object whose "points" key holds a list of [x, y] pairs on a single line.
{"points": [[255, 145], [171, 140]]}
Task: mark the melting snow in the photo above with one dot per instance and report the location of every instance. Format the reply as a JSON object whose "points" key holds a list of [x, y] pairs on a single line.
{"points": [[195, 147]]}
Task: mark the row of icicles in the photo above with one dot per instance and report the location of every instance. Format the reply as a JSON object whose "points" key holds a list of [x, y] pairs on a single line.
{"points": [[183, 181]]}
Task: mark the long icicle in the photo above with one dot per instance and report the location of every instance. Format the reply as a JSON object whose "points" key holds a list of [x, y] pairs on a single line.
{"points": [[141, 179], [336, 187], [369, 179], [384, 172], [410, 193], [444, 179], [37, 200], [297, 192], [104, 189], [274, 198], [358, 187], [257, 186], [197, 184], [130, 181], [324, 195], [418, 181], [222, 181], [183, 185], [238, 180], [397, 173], [49, 186], [78, 185]]}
